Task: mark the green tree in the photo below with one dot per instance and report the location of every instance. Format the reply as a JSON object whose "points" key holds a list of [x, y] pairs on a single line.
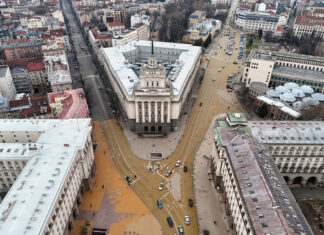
{"points": [[250, 42], [208, 41], [260, 32], [205, 232], [263, 111], [198, 42]]}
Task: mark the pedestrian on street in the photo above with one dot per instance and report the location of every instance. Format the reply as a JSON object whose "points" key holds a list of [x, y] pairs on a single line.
{"points": [[135, 176]]}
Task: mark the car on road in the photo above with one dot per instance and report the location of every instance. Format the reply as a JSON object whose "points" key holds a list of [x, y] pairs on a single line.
{"points": [[187, 220], [229, 89], [228, 80], [128, 179], [185, 168], [180, 229], [219, 70], [190, 202], [235, 62], [168, 173], [160, 186], [159, 203], [178, 163], [170, 222]]}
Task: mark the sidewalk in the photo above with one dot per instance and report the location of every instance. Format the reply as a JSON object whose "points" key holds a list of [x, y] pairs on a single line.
{"points": [[207, 199], [112, 204]]}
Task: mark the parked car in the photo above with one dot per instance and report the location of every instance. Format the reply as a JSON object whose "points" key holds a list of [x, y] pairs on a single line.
{"points": [[180, 229], [185, 168], [190, 202], [168, 173], [170, 222], [178, 163], [128, 179], [235, 62], [159, 203], [187, 220], [160, 186], [201, 104]]}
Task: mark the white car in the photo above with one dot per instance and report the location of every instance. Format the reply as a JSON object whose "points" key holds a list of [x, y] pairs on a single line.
{"points": [[178, 163], [187, 219], [161, 186]]}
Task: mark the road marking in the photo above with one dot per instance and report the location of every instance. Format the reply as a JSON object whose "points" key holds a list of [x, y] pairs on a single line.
{"points": [[164, 195], [171, 215], [135, 181], [162, 176]]}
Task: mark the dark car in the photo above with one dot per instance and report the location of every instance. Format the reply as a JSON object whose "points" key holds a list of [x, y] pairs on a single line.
{"points": [[201, 103], [128, 179], [190, 202], [185, 168], [170, 222], [159, 203]]}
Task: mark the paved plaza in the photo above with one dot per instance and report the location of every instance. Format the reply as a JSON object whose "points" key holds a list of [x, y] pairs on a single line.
{"points": [[112, 204]]}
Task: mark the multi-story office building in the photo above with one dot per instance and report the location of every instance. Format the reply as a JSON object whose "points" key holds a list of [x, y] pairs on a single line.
{"points": [[45, 165], [138, 32], [21, 80], [21, 49], [253, 21], [307, 25], [151, 94], [7, 87], [275, 68], [297, 148], [37, 74], [256, 197]]}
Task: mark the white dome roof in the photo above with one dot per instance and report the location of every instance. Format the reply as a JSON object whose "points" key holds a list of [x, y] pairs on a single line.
{"points": [[282, 89], [310, 101], [297, 92], [273, 93], [299, 105], [291, 85], [288, 97], [307, 89], [318, 96]]}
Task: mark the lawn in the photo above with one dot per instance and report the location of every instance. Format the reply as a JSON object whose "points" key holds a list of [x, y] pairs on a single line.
{"points": [[255, 43]]}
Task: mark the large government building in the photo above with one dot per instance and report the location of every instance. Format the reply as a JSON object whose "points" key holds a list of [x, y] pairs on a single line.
{"points": [[249, 177], [152, 83], [274, 68], [45, 165]]}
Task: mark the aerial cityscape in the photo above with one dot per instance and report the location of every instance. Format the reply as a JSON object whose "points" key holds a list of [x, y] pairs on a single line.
{"points": [[153, 117]]}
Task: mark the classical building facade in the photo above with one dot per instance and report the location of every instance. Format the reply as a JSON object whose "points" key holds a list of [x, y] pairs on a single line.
{"points": [[297, 148], [152, 88], [257, 199], [45, 165]]}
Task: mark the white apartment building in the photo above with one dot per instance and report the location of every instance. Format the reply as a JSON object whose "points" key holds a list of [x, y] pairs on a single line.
{"points": [[7, 87], [139, 32], [273, 68], [140, 19], [151, 94], [44, 167], [257, 199], [251, 22]]}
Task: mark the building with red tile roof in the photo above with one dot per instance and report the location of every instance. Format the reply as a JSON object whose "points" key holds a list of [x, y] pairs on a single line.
{"points": [[69, 104], [308, 24]]}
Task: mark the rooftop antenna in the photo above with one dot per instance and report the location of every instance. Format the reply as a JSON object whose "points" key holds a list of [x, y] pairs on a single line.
{"points": [[152, 48]]}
